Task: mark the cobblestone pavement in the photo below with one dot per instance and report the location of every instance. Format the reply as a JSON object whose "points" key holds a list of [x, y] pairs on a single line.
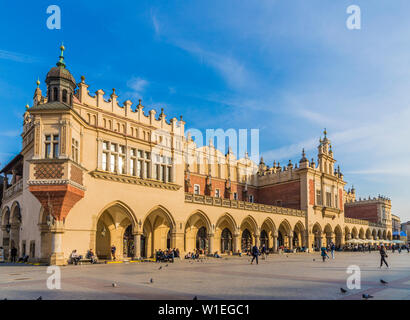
{"points": [[292, 276]]}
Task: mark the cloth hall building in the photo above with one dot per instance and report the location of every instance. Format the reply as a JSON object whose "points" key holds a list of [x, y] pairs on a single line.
{"points": [[92, 173]]}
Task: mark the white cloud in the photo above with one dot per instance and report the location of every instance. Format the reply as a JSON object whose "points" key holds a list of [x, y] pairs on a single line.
{"points": [[17, 57], [138, 85]]}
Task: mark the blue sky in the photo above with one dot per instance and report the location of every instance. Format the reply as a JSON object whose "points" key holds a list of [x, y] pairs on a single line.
{"points": [[288, 68]]}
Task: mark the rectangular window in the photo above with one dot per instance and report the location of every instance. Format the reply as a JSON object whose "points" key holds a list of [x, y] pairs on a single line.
{"points": [[48, 151], [51, 146], [318, 198], [157, 172], [132, 167], [196, 189], [169, 174], [139, 169], [105, 145], [112, 163], [328, 199], [336, 202], [235, 196], [251, 198], [121, 167], [217, 193], [164, 173], [104, 161], [74, 150], [147, 165]]}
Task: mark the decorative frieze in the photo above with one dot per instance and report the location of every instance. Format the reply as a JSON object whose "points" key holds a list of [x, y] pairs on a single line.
{"points": [[133, 180]]}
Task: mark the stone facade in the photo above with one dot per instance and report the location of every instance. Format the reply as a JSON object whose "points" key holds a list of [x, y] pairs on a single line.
{"points": [[93, 173]]}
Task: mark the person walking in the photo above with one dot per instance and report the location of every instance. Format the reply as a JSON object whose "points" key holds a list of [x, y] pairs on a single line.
{"points": [[263, 251], [113, 249], [255, 254], [323, 253], [383, 256], [332, 250], [13, 254]]}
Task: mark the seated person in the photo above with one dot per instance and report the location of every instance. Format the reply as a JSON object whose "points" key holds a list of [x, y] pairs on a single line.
{"points": [[90, 255], [216, 255], [75, 257]]}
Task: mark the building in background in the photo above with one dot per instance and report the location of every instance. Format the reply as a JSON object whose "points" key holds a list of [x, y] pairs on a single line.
{"points": [[93, 173]]}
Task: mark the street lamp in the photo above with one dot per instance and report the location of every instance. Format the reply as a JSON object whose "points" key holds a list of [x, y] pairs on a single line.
{"points": [[8, 227]]}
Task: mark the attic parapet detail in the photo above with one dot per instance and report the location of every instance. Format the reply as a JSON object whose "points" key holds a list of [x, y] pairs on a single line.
{"points": [[134, 114]]}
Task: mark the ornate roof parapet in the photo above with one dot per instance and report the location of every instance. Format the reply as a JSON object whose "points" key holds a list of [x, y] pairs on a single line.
{"points": [[137, 114]]}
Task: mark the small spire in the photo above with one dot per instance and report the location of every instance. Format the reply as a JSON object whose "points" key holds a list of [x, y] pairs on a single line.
{"points": [[61, 62], [27, 106], [139, 102], [180, 118], [303, 153], [325, 132], [82, 79], [38, 82]]}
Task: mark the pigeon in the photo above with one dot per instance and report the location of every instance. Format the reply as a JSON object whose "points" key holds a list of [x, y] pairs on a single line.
{"points": [[40, 298], [114, 284], [367, 296], [151, 280], [166, 265], [195, 298], [287, 256], [343, 290], [384, 282], [160, 268], [314, 259]]}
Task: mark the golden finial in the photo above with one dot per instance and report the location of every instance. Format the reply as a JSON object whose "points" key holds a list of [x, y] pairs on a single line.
{"points": [[62, 48], [325, 132], [27, 106], [38, 82]]}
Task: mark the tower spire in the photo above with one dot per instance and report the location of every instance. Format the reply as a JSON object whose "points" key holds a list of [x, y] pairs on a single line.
{"points": [[61, 62]]}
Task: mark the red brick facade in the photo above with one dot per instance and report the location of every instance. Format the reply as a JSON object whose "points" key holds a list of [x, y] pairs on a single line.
{"points": [[362, 211], [284, 195]]}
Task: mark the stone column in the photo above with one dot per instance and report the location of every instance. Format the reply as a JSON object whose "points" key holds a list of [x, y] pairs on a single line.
{"points": [[57, 254], [211, 240], [275, 242], [137, 245], [257, 240], [290, 239], [236, 242]]}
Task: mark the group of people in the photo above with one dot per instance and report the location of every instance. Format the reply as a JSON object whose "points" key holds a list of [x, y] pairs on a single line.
{"points": [[75, 257], [166, 255]]}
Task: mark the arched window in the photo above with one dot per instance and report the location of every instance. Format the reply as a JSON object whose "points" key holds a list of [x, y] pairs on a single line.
{"points": [[246, 240], [201, 239], [65, 95], [55, 94], [264, 239]]}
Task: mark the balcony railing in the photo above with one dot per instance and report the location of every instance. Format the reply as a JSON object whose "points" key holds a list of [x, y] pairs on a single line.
{"points": [[242, 205], [13, 190]]}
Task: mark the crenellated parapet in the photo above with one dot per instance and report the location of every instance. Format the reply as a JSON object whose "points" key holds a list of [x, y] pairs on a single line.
{"points": [[110, 109]]}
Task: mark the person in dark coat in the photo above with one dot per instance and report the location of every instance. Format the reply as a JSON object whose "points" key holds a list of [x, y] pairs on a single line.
{"points": [[383, 256], [323, 253], [113, 250], [13, 254], [255, 254]]}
